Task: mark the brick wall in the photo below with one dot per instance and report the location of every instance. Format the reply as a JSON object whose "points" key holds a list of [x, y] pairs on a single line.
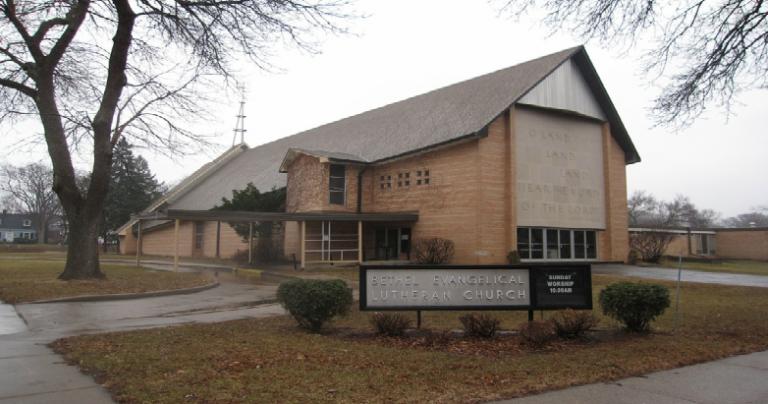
{"points": [[127, 242], [159, 241], [447, 206], [307, 187], [742, 244], [613, 243]]}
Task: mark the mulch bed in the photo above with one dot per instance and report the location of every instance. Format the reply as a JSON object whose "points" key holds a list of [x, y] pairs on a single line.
{"points": [[506, 343]]}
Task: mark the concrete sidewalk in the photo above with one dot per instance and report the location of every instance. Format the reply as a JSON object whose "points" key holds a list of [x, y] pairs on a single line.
{"points": [[688, 275], [30, 372], [735, 380]]}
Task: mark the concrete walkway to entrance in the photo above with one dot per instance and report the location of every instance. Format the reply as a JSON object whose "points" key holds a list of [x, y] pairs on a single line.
{"points": [[688, 275], [33, 373], [736, 380]]}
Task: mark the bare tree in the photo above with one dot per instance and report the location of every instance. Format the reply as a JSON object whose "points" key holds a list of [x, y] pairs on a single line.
{"points": [[716, 48], [658, 217], [31, 186], [56, 63], [758, 217]]}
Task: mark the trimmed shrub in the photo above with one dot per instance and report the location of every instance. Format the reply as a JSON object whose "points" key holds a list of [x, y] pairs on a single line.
{"points": [[570, 324], [313, 302], [481, 325], [433, 250], [537, 333], [513, 257], [390, 324], [634, 304]]}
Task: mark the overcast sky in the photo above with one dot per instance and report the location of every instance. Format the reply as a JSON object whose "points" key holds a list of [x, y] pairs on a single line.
{"points": [[404, 48]]}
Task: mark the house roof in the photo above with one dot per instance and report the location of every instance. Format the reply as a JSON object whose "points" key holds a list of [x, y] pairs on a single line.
{"points": [[16, 221], [450, 114]]}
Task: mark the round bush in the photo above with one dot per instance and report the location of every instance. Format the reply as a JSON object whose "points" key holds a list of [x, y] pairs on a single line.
{"points": [[313, 302], [634, 304]]}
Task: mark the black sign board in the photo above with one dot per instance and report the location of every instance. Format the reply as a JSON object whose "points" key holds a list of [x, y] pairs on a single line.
{"points": [[561, 287], [476, 287]]}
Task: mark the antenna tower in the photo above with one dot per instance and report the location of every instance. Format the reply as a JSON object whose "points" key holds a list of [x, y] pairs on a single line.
{"points": [[240, 124]]}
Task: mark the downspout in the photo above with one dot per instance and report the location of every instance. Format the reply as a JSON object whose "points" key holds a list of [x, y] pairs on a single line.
{"points": [[360, 189]]}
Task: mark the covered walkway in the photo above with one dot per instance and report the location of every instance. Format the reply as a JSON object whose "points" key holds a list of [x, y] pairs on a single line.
{"points": [[324, 237]]}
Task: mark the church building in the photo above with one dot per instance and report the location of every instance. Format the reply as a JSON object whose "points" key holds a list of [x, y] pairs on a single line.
{"points": [[530, 158]]}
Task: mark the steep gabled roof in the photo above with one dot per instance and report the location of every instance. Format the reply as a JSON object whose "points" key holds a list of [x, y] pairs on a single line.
{"points": [[191, 182], [457, 112]]}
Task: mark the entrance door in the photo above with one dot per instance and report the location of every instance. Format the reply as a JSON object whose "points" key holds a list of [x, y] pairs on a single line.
{"points": [[391, 242]]}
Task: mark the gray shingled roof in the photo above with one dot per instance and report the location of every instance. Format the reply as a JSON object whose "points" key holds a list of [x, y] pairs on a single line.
{"points": [[15, 221], [421, 122]]}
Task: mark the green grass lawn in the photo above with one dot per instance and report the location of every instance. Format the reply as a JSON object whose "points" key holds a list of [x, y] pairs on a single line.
{"points": [[270, 360], [26, 280], [729, 266]]}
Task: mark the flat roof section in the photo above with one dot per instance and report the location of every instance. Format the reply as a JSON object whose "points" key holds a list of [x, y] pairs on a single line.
{"points": [[241, 216]]}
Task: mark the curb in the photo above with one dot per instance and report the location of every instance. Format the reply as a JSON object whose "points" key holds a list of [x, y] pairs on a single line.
{"points": [[128, 296], [276, 277]]}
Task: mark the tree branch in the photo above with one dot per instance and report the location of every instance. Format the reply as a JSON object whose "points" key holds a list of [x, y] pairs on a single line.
{"points": [[26, 90]]}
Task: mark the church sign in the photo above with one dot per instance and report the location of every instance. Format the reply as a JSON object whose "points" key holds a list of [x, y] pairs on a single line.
{"points": [[475, 287]]}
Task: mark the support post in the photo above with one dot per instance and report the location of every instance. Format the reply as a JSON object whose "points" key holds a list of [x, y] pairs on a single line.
{"points": [[218, 239], [359, 241], [418, 319], [530, 315], [176, 245], [138, 246], [250, 243], [303, 242]]}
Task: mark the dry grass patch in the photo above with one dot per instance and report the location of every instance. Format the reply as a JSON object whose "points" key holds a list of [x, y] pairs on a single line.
{"points": [[270, 360], [29, 280]]}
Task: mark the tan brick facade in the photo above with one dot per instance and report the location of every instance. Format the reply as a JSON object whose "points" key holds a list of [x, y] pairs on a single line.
{"points": [[469, 198], [742, 244], [159, 241]]}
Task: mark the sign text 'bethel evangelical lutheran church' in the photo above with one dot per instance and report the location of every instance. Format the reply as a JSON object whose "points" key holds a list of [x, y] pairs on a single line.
{"points": [[488, 287]]}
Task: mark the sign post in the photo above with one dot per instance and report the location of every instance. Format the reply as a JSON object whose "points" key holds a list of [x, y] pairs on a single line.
{"points": [[475, 287]]}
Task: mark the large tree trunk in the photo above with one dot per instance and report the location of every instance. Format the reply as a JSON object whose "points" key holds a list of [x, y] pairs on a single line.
{"points": [[83, 249]]}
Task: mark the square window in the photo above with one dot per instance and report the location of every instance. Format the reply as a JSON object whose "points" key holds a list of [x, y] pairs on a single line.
{"points": [[399, 175], [399, 183], [426, 173], [418, 182], [382, 178], [381, 185], [407, 183], [408, 175], [426, 181], [389, 185], [418, 173], [389, 177]]}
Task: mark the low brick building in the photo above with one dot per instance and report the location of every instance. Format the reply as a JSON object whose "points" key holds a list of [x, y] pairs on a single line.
{"points": [[748, 243], [530, 159]]}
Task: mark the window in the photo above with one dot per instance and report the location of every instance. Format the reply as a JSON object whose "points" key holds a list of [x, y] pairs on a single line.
{"points": [[385, 182], [27, 223], [337, 184], [524, 242], [537, 243], [404, 179], [422, 177], [556, 244], [199, 234]]}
